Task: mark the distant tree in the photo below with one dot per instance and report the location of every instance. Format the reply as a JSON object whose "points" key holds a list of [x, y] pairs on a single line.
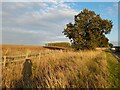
{"points": [[88, 31]]}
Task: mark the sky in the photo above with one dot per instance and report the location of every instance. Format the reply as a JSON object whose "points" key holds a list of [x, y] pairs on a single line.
{"points": [[37, 23]]}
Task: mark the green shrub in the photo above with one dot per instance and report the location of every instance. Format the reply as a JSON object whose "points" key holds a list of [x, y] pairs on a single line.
{"points": [[60, 44]]}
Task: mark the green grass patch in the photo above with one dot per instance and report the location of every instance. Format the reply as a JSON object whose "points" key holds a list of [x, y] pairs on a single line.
{"points": [[114, 70]]}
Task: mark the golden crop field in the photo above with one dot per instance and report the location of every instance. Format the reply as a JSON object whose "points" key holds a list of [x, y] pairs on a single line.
{"points": [[57, 69]]}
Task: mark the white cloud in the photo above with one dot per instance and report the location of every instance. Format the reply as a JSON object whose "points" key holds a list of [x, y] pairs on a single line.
{"points": [[35, 21]]}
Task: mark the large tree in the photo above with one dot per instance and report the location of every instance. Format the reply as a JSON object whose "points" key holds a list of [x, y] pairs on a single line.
{"points": [[88, 31]]}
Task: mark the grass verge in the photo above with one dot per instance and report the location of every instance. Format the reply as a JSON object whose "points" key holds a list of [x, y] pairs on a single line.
{"points": [[114, 70]]}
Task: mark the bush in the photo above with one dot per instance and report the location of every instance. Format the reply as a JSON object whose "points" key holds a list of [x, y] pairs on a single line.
{"points": [[60, 44]]}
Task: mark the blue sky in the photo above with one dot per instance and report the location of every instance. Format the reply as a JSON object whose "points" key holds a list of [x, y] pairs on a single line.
{"points": [[59, 0], [42, 22]]}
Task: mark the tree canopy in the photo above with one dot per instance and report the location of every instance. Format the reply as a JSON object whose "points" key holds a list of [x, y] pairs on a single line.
{"points": [[88, 30]]}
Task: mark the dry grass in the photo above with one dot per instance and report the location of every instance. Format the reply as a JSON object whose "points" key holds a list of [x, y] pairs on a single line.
{"points": [[19, 49], [59, 69]]}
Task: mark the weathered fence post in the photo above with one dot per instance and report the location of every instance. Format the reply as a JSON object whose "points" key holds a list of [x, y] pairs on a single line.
{"points": [[28, 53], [5, 57], [61, 51], [27, 56], [39, 56], [4, 62]]}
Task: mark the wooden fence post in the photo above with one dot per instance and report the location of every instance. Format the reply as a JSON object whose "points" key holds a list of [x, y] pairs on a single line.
{"points": [[27, 56], [61, 51], [39, 56], [4, 63]]}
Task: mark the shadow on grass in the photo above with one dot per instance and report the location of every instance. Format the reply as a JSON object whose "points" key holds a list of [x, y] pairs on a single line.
{"points": [[26, 80]]}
